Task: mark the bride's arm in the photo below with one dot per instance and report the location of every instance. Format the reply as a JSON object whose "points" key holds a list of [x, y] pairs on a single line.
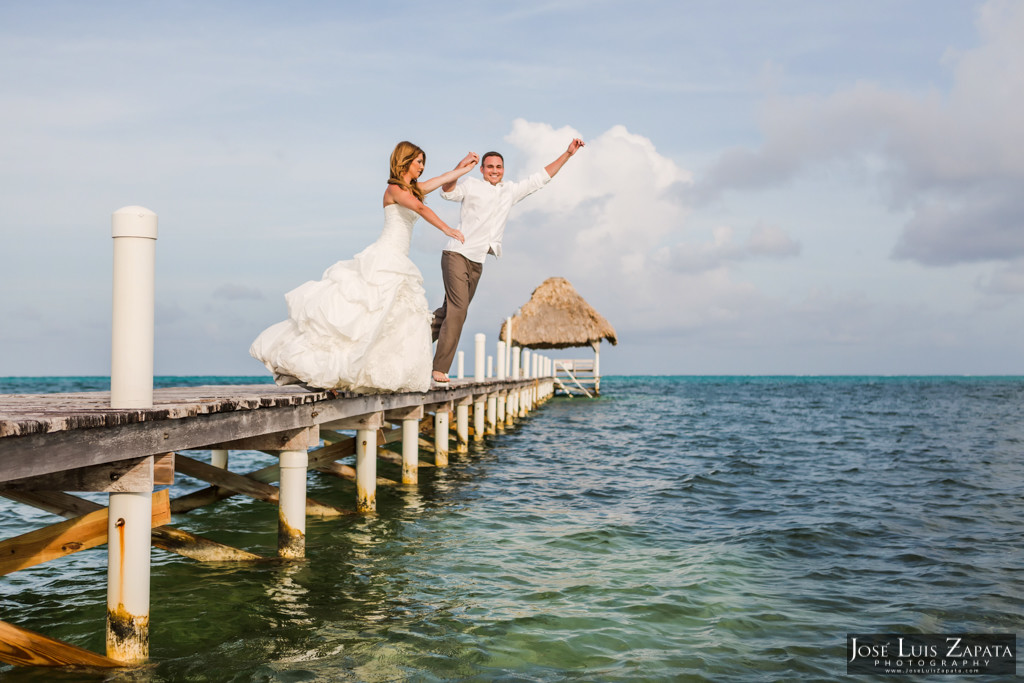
{"points": [[409, 201], [449, 178]]}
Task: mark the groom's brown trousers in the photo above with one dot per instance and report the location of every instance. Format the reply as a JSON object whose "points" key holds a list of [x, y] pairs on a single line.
{"points": [[460, 279]]}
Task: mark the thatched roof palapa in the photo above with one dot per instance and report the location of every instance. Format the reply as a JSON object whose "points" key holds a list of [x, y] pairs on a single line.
{"points": [[557, 317]]}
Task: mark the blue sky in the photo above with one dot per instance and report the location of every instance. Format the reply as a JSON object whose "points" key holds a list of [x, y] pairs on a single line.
{"points": [[795, 187]]}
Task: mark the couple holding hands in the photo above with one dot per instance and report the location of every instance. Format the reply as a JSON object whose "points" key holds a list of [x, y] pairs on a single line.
{"points": [[365, 326]]}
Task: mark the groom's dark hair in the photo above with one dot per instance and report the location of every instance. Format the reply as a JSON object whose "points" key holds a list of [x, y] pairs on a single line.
{"points": [[492, 154]]}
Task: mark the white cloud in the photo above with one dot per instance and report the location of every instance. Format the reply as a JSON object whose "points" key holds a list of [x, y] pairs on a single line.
{"points": [[615, 223], [954, 159]]}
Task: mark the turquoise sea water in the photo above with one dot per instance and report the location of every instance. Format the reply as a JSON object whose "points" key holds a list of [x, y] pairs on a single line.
{"points": [[675, 529]]}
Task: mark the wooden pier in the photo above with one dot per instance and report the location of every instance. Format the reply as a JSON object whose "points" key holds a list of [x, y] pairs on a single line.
{"points": [[53, 444]]}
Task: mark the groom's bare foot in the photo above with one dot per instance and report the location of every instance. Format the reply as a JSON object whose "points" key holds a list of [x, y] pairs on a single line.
{"points": [[439, 377]]}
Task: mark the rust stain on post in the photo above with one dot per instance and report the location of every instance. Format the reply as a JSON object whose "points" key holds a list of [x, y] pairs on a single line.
{"points": [[291, 543], [127, 636]]}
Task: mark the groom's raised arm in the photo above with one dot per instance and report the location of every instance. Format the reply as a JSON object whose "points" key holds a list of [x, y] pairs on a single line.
{"points": [[558, 163]]}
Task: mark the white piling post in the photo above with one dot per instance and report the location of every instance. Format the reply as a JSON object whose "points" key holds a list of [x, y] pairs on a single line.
{"points": [[130, 514], [410, 451], [479, 353], [479, 405], [516, 354], [461, 365], [134, 230], [219, 458], [502, 365], [366, 470], [526, 364], [462, 428], [501, 402], [492, 413], [441, 438], [508, 346], [291, 517], [490, 367], [129, 534], [510, 408]]}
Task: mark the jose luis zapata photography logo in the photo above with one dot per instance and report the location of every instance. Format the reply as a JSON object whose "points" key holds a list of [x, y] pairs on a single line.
{"points": [[931, 653]]}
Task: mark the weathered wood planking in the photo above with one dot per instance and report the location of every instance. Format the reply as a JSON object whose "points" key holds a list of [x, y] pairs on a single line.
{"points": [[44, 433]]}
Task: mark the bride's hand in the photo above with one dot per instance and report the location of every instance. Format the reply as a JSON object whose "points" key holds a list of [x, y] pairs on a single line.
{"points": [[469, 161], [457, 234]]}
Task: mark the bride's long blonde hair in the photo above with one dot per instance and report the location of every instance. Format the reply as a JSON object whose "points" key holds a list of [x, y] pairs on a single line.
{"points": [[403, 156]]}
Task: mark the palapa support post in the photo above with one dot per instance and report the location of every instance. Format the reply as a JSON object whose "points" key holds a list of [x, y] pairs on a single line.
{"points": [[597, 366], [291, 516], [516, 357]]}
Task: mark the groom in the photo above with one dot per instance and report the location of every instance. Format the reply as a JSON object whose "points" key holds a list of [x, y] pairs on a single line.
{"points": [[485, 207]]}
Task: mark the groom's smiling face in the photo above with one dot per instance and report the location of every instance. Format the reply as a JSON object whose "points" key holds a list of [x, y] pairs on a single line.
{"points": [[493, 170]]}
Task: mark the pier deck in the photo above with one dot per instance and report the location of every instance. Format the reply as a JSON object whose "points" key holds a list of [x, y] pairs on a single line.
{"points": [[51, 444], [45, 433]]}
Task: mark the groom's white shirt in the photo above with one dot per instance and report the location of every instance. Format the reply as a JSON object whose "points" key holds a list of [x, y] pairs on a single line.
{"points": [[485, 210]]}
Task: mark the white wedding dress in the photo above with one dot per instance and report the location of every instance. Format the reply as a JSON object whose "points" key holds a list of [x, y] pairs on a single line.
{"points": [[364, 327]]}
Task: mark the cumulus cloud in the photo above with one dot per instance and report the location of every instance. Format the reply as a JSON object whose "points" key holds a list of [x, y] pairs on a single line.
{"points": [[953, 160], [615, 222]]}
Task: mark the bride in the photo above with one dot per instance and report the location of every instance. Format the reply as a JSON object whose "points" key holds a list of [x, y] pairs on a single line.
{"points": [[365, 326]]}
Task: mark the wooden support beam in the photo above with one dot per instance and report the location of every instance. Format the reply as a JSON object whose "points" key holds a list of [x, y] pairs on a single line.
{"points": [[21, 647], [166, 538], [368, 421], [266, 475], [288, 440], [395, 459], [349, 472], [123, 476], [163, 470], [399, 414], [247, 486], [71, 536]]}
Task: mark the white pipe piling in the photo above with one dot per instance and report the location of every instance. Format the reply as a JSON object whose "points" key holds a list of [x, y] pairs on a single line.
{"points": [[134, 230], [129, 534], [366, 470], [291, 519]]}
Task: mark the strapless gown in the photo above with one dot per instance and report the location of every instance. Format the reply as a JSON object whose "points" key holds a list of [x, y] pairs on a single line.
{"points": [[363, 327]]}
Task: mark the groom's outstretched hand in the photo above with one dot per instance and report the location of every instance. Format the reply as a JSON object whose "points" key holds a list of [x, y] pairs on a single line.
{"points": [[575, 145]]}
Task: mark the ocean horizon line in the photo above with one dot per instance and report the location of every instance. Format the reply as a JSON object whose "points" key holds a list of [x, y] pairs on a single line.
{"points": [[767, 375]]}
